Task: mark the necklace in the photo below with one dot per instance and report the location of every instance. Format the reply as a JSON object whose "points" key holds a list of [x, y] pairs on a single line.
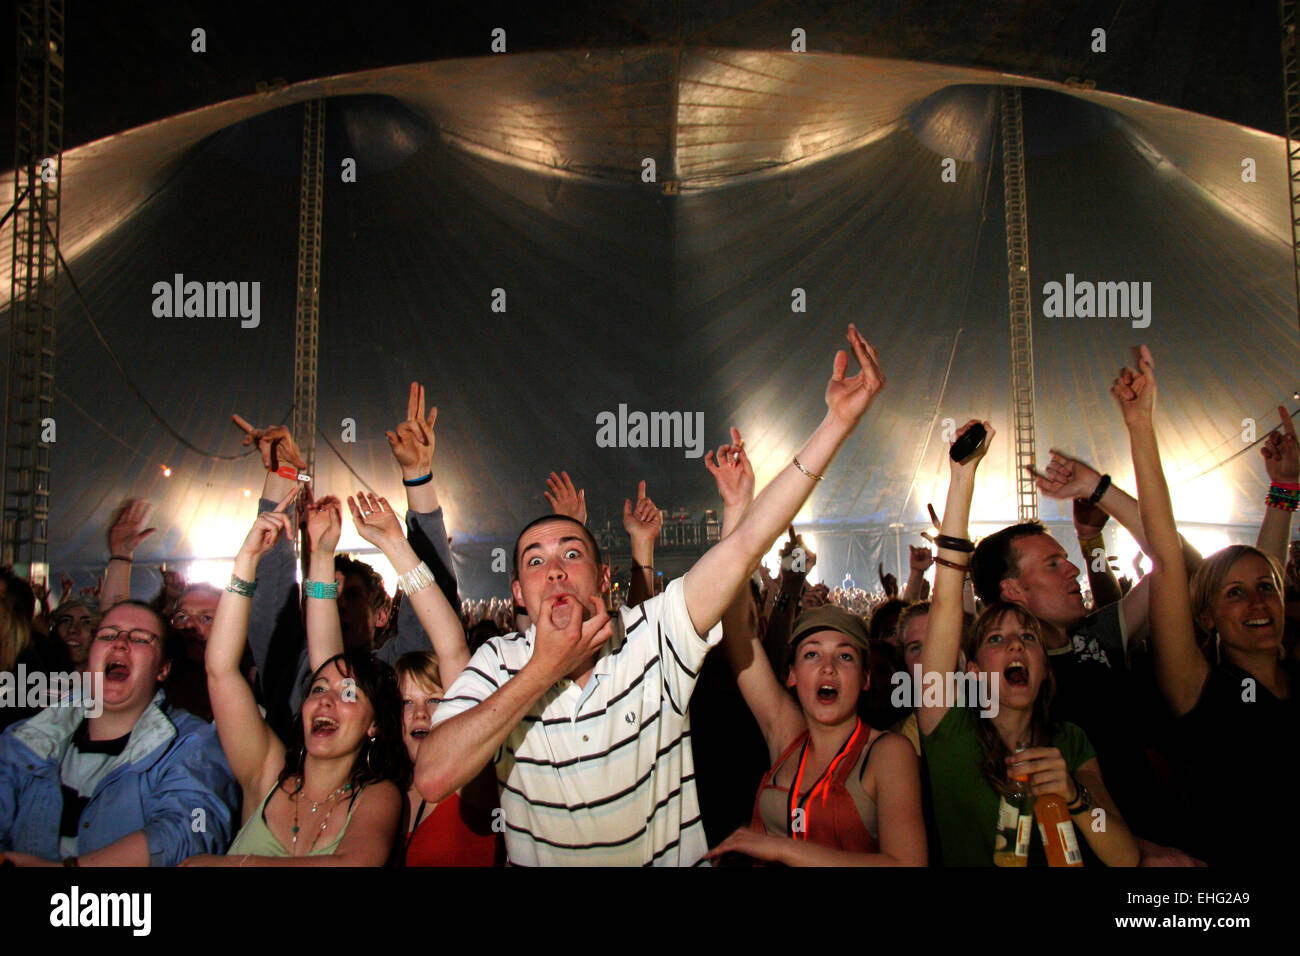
{"points": [[297, 799]]}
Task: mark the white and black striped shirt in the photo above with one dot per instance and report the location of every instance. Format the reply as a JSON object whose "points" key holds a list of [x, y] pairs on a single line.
{"points": [[601, 775]]}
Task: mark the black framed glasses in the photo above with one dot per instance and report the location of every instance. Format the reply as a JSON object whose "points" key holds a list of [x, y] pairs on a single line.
{"points": [[137, 636]]}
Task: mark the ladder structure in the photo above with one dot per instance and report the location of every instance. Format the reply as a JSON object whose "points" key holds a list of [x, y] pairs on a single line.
{"points": [[1291, 88], [33, 275], [307, 311], [1021, 305]]}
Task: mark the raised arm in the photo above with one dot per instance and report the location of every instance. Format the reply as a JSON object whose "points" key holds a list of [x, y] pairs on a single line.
{"points": [[1282, 462], [324, 629], [715, 578], [376, 522], [1089, 521], [1181, 670], [919, 560], [642, 523], [126, 532], [778, 716], [942, 645], [412, 444], [248, 742]]}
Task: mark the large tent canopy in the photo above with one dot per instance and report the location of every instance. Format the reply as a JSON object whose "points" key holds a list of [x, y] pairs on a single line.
{"points": [[781, 179]]}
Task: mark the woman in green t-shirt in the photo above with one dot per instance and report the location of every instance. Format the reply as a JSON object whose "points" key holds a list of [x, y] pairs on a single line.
{"points": [[970, 751]]}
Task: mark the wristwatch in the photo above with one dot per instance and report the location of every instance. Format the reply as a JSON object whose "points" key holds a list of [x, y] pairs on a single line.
{"points": [[1082, 799]]}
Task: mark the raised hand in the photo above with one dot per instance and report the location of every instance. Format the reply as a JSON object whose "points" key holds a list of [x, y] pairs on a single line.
{"points": [[267, 529], [324, 524], [565, 499], [275, 444], [849, 398], [732, 471], [1065, 477], [796, 557], [65, 586], [127, 530], [174, 584], [1136, 390], [375, 520], [919, 559], [1089, 519], [972, 462], [888, 582], [1281, 451], [413, 441], [643, 521]]}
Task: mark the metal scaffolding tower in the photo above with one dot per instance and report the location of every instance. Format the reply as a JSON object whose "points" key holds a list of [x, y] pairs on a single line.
{"points": [[1022, 316], [1291, 87], [33, 275], [308, 303]]}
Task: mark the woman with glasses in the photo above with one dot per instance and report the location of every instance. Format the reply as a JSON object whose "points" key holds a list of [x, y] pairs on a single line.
{"points": [[118, 777]]}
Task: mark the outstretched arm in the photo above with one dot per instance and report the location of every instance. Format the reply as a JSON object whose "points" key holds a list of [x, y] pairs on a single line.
{"points": [[642, 524], [1282, 462], [944, 624], [126, 532], [715, 578], [248, 742], [324, 629], [1181, 671], [565, 499]]}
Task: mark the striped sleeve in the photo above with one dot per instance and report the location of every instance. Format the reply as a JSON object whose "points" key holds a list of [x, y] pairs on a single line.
{"points": [[481, 678], [681, 650]]}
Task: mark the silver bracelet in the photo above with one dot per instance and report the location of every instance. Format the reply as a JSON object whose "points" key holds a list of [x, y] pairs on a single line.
{"points": [[416, 579]]}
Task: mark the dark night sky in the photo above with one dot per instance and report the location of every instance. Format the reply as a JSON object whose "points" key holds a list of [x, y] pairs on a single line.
{"points": [[130, 63]]}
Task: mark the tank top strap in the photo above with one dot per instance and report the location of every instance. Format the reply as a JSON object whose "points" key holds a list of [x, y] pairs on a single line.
{"points": [[785, 755]]}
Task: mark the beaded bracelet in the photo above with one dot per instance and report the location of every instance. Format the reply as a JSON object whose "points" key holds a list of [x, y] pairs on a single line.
{"points": [[1284, 495], [324, 590], [241, 587]]}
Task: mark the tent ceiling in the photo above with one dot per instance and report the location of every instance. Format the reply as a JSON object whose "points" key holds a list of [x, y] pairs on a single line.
{"points": [[813, 171]]}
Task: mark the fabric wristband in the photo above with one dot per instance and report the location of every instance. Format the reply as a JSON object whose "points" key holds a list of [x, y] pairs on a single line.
{"points": [[1100, 492], [414, 482], [324, 590]]}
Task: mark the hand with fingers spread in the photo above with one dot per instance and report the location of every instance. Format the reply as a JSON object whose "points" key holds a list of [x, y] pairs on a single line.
{"points": [[569, 635], [266, 532], [412, 442], [127, 530], [1281, 451], [274, 444], [849, 398], [1065, 477], [375, 520], [642, 521], [324, 524], [565, 499], [1136, 390], [751, 843], [732, 471]]}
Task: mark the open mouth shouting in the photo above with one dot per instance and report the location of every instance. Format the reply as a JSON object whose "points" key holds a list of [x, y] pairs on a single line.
{"points": [[323, 727], [117, 671], [419, 733], [827, 693], [1016, 673]]}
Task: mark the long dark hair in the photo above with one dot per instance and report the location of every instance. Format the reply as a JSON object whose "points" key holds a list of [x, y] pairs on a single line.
{"points": [[992, 749], [384, 758]]}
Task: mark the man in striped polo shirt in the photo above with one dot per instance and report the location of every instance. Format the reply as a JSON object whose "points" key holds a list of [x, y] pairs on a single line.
{"points": [[584, 715]]}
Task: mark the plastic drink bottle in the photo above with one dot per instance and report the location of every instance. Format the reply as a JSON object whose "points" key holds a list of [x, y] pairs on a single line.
{"points": [[1015, 822], [1055, 827]]}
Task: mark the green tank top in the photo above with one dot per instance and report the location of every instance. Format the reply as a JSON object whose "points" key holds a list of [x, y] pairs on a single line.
{"points": [[256, 839]]}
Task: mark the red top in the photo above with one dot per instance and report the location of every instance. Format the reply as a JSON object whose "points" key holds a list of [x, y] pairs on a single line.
{"points": [[830, 815], [445, 839]]}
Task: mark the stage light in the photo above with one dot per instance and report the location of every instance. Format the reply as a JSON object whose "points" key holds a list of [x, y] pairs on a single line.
{"points": [[247, 493], [166, 471]]}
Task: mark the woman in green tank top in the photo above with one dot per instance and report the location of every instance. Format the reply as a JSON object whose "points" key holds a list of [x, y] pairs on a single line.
{"points": [[335, 797]]}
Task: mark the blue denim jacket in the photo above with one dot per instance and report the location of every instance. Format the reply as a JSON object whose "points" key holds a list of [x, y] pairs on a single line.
{"points": [[172, 781]]}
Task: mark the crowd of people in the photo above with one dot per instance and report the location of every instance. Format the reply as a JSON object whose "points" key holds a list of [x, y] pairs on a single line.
{"points": [[275, 723]]}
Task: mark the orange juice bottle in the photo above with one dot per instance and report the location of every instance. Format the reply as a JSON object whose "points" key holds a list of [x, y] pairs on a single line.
{"points": [[1054, 826]]}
